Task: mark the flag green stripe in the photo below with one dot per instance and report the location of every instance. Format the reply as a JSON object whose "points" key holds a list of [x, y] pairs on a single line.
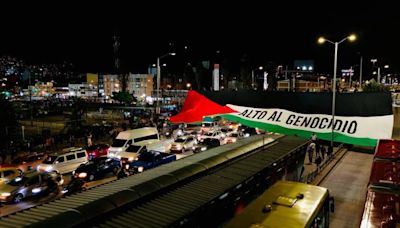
{"points": [[338, 137]]}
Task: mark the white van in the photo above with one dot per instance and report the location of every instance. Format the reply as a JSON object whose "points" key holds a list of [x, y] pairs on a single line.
{"points": [[65, 162], [127, 138], [207, 126], [132, 151]]}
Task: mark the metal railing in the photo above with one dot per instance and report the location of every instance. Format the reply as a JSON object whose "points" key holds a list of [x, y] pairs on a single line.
{"points": [[328, 159]]}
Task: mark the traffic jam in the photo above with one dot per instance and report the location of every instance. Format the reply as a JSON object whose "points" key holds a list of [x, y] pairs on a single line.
{"points": [[40, 178]]}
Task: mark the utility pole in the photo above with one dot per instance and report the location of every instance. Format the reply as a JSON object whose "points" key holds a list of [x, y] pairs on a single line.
{"points": [[117, 63], [361, 68]]}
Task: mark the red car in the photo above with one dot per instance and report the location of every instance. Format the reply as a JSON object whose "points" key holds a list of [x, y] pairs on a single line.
{"points": [[97, 150]]}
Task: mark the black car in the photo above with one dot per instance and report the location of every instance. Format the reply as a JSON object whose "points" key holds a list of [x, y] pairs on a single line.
{"points": [[97, 168], [206, 144]]}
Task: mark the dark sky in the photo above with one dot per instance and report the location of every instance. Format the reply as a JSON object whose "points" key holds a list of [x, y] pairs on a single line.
{"points": [[82, 33]]}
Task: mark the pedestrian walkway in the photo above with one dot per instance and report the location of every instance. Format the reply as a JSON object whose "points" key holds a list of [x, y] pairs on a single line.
{"points": [[311, 170], [347, 183]]}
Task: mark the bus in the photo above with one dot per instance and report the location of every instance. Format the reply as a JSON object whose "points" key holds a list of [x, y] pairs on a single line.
{"points": [[381, 208], [388, 149], [382, 201], [287, 204], [385, 173]]}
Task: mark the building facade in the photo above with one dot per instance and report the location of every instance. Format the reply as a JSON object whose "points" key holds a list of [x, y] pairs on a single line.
{"points": [[140, 85]]}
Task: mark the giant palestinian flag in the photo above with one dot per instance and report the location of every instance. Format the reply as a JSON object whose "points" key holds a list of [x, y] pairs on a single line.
{"points": [[360, 118]]}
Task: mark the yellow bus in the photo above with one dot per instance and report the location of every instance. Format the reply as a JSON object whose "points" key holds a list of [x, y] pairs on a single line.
{"points": [[287, 204]]}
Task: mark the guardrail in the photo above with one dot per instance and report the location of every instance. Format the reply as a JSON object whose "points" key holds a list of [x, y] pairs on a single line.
{"points": [[312, 175]]}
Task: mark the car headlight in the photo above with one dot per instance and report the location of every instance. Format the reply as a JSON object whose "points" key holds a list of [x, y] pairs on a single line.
{"points": [[140, 169], [5, 194], [36, 190], [203, 148], [82, 175]]}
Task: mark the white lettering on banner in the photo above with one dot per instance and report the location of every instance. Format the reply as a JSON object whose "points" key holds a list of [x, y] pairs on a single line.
{"points": [[376, 127]]}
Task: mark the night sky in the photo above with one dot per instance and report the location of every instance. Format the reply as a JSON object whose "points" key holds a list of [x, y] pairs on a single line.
{"points": [[82, 34]]}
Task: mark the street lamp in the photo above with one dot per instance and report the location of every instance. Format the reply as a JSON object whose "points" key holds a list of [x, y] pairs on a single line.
{"points": [[322, 40], [158, 80]]}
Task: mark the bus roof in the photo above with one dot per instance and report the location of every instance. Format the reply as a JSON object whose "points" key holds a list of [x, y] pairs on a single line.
{"points": [[388, 149], [287, 210], [381, 209], [385, 173]]}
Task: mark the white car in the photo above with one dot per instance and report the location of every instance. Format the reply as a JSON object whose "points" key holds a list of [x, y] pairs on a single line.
{"points": [[232, 137], [183, 143], [213, 134]]}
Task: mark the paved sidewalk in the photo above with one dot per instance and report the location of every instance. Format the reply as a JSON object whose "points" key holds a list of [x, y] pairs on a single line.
{"points": [[310, 169]]}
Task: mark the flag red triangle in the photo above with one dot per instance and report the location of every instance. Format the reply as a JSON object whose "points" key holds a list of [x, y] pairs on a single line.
{"points": [[196, 107]]}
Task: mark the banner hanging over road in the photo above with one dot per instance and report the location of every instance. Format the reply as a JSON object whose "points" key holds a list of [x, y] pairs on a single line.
{"points": [[361, 118]]}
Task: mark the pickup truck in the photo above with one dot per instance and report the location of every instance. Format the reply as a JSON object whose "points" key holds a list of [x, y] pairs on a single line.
{"points": [[148, 160]]}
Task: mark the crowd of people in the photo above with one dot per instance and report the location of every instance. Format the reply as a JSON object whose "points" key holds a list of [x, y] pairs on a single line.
{"points": [[317, 152]]}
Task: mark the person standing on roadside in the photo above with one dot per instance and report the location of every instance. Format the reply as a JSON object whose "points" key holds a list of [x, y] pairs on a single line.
{"points": [[310, 151], [314, 137]]}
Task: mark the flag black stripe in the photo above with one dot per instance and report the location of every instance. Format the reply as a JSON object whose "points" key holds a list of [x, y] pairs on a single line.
{"points": [[347, 104]]}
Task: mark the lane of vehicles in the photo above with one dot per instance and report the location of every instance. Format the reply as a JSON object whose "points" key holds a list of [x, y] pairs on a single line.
{"points": [[93, 205], [91, 164]]}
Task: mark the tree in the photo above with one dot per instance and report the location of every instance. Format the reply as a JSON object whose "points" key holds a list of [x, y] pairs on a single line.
{"points": [[124, 97], [272, 74], [75, 123], [374, 86]]}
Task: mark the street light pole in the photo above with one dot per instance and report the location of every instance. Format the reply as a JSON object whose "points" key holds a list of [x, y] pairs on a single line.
{"points": [[322, 40], [361, 62], [334, 92], [30, 98], [158, 86]]}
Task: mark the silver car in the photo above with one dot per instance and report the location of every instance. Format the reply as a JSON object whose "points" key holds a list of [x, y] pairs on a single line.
{"points": [[183, 143]]}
